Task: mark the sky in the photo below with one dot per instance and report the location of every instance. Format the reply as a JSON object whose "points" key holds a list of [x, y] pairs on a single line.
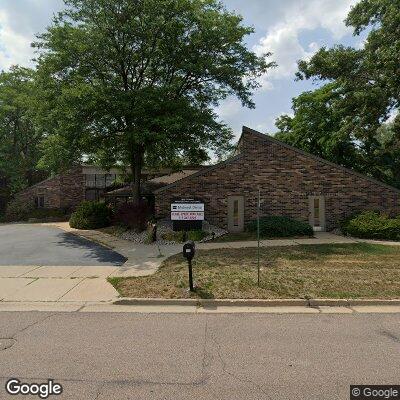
{"points": [[289, 29]]}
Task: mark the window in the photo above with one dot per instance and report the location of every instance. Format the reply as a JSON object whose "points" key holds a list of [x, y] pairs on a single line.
{"points": [[110, 179], [236, 213], [39, 202], [90, 180], [317, 212], [99, 181]]}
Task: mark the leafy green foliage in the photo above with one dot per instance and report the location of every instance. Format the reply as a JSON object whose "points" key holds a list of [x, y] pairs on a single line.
{"points": [[91, 215], [18, 210], [181, 236], [19, 136], [345, 120], [279, 226], [372, 225], [316, 124], [197, 235], [136, 82]]}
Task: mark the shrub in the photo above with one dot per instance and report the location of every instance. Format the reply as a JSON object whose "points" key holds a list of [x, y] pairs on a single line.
{"points": [[372, 225], [18, 210], [196, 236], [177, 237], [180, 236], [133, 216], [278, 226], [91, 215]]}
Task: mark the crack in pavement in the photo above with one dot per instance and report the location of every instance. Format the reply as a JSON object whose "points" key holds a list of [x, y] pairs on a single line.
{"points": [[32, 325], [233, 375], [100, 388], [390, 335]]}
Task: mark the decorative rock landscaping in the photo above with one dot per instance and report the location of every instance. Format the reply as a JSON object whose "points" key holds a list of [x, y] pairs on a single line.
{"points": [[164, 228]]}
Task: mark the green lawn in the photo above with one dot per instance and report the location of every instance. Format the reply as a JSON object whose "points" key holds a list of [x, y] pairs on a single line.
{"points": [[249, 236], [313, 271]]}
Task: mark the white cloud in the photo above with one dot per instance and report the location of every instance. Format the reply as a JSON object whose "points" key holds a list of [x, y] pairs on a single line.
{"points": [[20, 20], [14, 47], [282, 39]]}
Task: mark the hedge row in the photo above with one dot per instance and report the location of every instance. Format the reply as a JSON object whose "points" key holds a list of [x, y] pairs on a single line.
{"points": [[372, 225], [279, 226]]}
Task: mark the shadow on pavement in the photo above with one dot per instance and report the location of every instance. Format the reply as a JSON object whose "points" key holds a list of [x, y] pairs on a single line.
{"points": [[92, 250]]}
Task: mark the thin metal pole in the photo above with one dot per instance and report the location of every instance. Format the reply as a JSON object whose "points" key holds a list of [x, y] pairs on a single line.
{"points": [[258, 235], [191, 277]]}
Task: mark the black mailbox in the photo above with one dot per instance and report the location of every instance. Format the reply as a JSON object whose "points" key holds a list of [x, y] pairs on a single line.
{"points": [[189, 250]]}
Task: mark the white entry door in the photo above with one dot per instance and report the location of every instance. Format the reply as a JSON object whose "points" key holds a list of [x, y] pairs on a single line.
{"points": [[317, 213], [236, 214]]}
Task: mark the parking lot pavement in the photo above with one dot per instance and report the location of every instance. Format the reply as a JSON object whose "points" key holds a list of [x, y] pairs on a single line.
{"points": [[38, 245]]}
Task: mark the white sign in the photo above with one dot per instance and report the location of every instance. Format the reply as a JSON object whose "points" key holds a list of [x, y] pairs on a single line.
{"points": [[188, 207], [187, 216]]}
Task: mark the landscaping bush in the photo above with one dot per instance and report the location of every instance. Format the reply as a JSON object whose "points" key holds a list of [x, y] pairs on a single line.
{"points": [[18, 210], [278, 226], [133, 216], [196, 236], [91, 215], [372, 225], [180, 236]]}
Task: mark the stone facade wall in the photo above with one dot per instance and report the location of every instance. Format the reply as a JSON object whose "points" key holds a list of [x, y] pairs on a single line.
{"points": [[287, 178], [72, 186], [50, 189], [63, 191]]}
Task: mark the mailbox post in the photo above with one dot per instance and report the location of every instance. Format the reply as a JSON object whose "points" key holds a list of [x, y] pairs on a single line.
{"points": [[189, 250]]}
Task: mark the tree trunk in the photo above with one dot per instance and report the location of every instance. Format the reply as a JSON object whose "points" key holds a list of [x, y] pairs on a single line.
{"points": [[136, 166]]}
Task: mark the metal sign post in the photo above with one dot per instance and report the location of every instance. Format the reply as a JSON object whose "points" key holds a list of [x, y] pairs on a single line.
{"points": [[189, 250]]}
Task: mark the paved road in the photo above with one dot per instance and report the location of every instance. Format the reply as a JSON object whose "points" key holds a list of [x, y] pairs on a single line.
{"points": [[120, 356], [49, 246]]}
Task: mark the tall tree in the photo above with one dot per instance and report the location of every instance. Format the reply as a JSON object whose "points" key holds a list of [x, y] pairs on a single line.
{"points": [[134, 81], [19, 136], [316, 126], [365, 86]]}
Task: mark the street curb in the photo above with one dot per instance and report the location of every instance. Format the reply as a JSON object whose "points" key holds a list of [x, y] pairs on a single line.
{"points": [[256, 302]]}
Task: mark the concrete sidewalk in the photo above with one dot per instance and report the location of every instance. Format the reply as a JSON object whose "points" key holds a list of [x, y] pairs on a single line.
{"points": [[142, 259], [55, 284]]}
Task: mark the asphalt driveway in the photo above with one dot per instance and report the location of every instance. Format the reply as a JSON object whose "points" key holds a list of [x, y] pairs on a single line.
{"points": [[24, 244]]}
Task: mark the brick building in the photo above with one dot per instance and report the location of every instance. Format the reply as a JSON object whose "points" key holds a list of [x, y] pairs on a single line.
{"points": [[85, 182], [292, 183]]}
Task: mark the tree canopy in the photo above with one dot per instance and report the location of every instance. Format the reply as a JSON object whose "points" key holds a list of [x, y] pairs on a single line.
{"points": [[136, 82], [346, 120], [19, 134]]}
